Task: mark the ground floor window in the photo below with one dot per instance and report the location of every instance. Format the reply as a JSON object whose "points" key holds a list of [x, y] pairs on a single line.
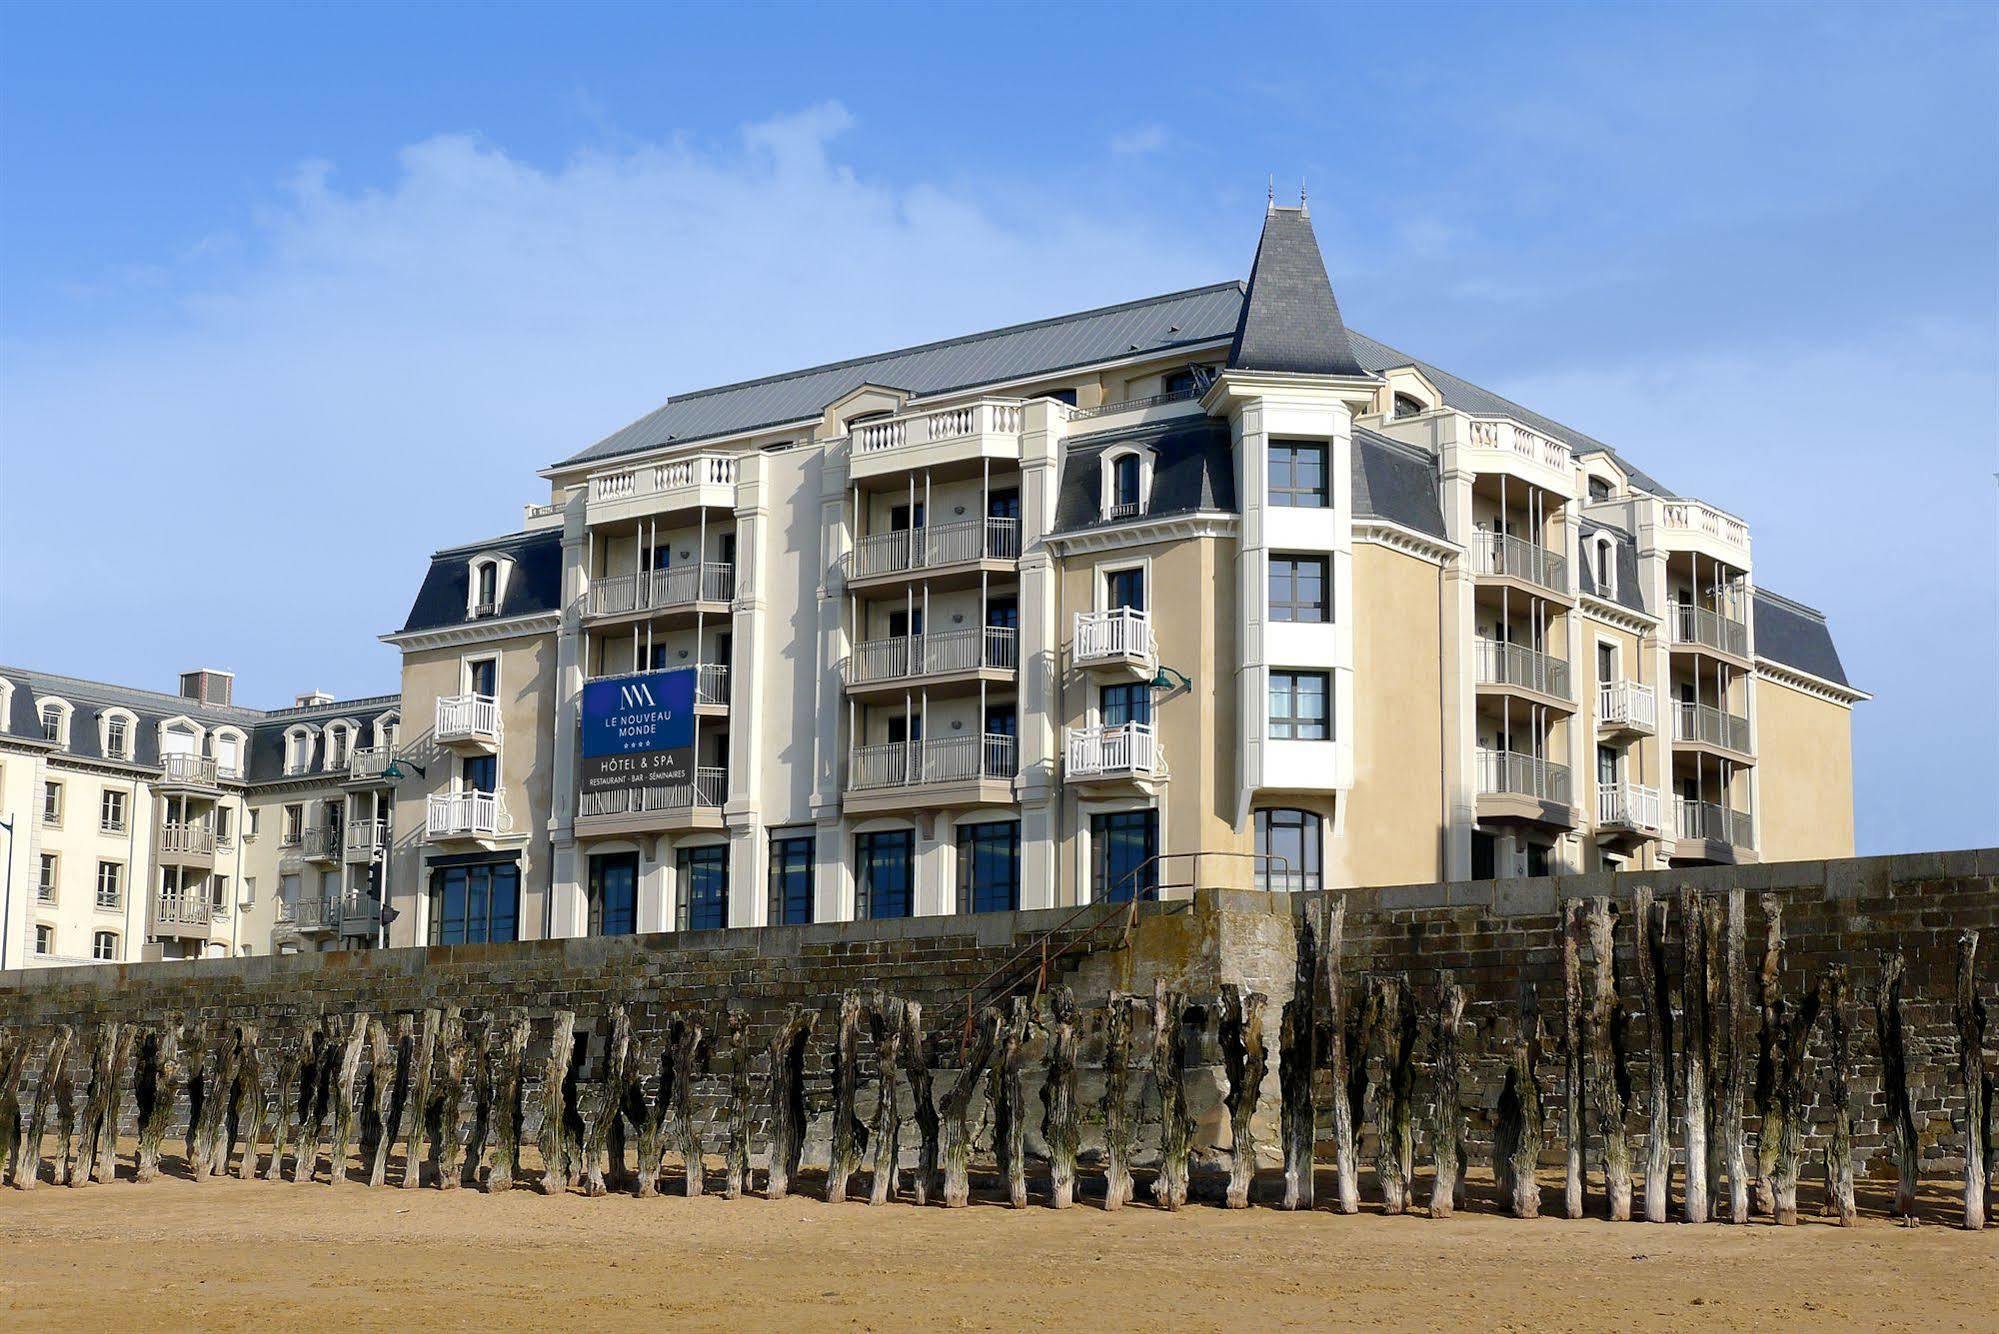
{"points": [[104, 946], [1290, 846], [1538, 857], [989, 867], [474, 905], [1123, 845], [704, 888], [885, 873], [1484, 856], [614, 894], [791, 874]]}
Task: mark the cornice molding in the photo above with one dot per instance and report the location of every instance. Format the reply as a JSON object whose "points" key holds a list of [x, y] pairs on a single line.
{"points": [[1805, 683], [1409, 541], [476, 632], [1618, 615], [1143, 532]]}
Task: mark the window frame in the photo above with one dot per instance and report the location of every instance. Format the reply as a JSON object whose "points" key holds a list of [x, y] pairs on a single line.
{"points": [[1294, 495], [53, 803], [867, 901], [1305, 874], [1293, 721], [1292, 605], [45, 940], [783, 866], [973, 839], [107, 822], [48, 877], [710, 855], [104, 946], [114, 871]]}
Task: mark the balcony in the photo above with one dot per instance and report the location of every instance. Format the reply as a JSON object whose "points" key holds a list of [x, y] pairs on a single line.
{"points": [[950, 553], [187, 772], [307, 916], [1119, 640], [1711, 729], [1630, 807], [472, 815], [1626, 706], [666, 808], [360, 915], [469, 722], [187, 845], [1531, 567], [954, 439], [365, 838], [703, 481], [1513, 786], [953, 771], [675, 593], [1695, 525], [1711, 832], [968, 656], [1517, 669], [1695, 627], [1502, 445], [711, 687], [1125, 752], [187, 916], [368, 764]]}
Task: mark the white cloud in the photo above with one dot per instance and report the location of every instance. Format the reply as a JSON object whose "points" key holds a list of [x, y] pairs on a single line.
{"points": [[1140, 139], [266, 444]]}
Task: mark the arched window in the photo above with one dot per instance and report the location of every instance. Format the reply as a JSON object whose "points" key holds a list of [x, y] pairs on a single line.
{"points": [[1606, 565], [116, 737], [1289, 846], [104, 946], [1126, 475], [487, 599], [338, 745], [1408, 405], [298, 750], [55, 721]]}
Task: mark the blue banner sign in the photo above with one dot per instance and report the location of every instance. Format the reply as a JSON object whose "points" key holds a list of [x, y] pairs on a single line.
{"points": [[638, 731]]}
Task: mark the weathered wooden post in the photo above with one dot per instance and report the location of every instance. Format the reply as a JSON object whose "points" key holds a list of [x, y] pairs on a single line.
{"points": [[153, 1090], [649, 1149], [1572, 1054], [1346, 1159], [847, 1132], [736, 1153], [288, 1077], [1447, 1128], [1770, 1012], [1901, 1118], [485, 1058], [1009, 1102], [13, 1061], [248, 1102], [1118, 1133], [211, 1153], [1240, 1033], [787, 1099], [690, 1062], [28, 1153], [202, 1040], [1059, 1127], [346, 1107], [379, 1122], [1176, 1127], [416, 1105], [1720, 1042], [1608, 1082], [1298, 1063], [66, 1114], [922, 1096], [627, 1099], [106, 1167], [317, 1097], [1383, 1024], [552, 1138], [1656, 986], [1734, 1151], [1516, 1150], [1693, 1053], [957, 1134], [1788, 1101], [1969, 1012], [503, 1150], [96, 1101], [885, 1027], [447, 1144], [1839, 1141]]}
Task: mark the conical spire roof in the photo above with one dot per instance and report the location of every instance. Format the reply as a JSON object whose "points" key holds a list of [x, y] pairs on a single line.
{"points": [[1290, 321]]}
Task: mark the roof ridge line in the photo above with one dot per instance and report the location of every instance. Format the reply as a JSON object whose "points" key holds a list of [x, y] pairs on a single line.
{"points": [[1789, 603]]}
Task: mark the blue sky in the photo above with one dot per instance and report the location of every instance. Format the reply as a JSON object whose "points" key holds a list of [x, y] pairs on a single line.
{"points": [[362, 270]]}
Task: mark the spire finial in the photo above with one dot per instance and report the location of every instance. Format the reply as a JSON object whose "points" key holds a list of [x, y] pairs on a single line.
{"points": [[1301, 196], [1271, 205]]}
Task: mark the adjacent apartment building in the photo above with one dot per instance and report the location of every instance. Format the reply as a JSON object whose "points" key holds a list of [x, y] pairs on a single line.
{"points": [[1205, 587]]}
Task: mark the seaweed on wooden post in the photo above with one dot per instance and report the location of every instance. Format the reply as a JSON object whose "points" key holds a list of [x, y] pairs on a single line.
{"points": [[626, 1098], [1346, 1158], [1892, 1034], [650, 1142], [1402, 1086], [248, 1103], [96, 1102], [1608, 1081], [1694, 1069], [317, 1097], [1655, 985], [396, 1113], [1720, 1043], [417, 1097], [211, 1145], [787, 1099], [1447, 1130], [1060, 1128], [28, 1152], [1176, 1127], [202, 1039], [553, 1137], [1009, 1100], [1970, 1015], [345, 1107], [956, 1111], [1770, 1011], [736, 1153], [1240, 1033], [382, 1077], [1572, 1055], [13, 1062], [290, 1069], [690, 1061], [1298, 1063], [441, 1113], [1734, 1151], [1788, 1101], [1516, 1150], [507, 1113], [885, 1027], [922, 1097], [1839, 1140], [1118, 1131], [484, 1056], [848, 1134], [159, 1073], [1382, 1023]]}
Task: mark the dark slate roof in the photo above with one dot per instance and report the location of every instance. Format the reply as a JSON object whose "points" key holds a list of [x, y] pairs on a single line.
{"points": [[1396, 482], [535, 586], [1290, 321], [1045, 347], [1193, 470], [1795, 635], [1629, 593]]}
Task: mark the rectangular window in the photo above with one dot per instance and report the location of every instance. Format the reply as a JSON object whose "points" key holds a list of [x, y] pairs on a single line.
{"points": [[704, 888], [45, 888], [51, 803], [1123, 848], [885, 873], [989, 867], [1606, 767], [1537, 859], [289, 889], [110, 885], [222, 824], [117, 739], [45, 939], [111, 814], [791, 877], [1606, 663], [1289, 847], [481, 773], [104, 947], [250, 822], [474, 905], [483, 677], [1128, 702], [1484, 856], [1125, 589], [1300, 706], [249, 891], [1298, 477], [52, 723], [294, 823], [614, 894], [1298, 587]]}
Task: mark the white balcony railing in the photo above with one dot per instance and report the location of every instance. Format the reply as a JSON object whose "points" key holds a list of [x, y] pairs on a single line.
{"points": [[187, 838], [1628, 806], [926, 548], [1112, 635], [988, 416], [1127, 748], [364, 836], [1707, 725], [186, 910], [711, 683], [467, 815], [1509, 773], [1713, 822], [1517, 665], [1517, 558], [1627, 704], [709, 790], [181, 770], [370, 761], [468, 718], [662, 590], [1690, 624], [905, 656], [1505, 434], [661, 479], [1699, 517], [958, 759]]}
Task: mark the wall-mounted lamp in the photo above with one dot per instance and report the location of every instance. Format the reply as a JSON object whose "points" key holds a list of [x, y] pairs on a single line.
{"points": [[394, 773], [1167, 678]]}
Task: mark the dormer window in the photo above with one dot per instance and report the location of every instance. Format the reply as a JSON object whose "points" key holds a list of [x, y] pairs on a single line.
{"points": [[1408, 405], [117, 736], [1599, 489], [229, 754], [336, 748], [1127, 474], [1606, 565], [298, 750], [53, 717], [486, 597]]}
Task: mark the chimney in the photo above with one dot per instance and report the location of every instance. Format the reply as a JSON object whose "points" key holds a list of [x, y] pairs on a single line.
{"points": [[208, 686], [311, 698]]}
